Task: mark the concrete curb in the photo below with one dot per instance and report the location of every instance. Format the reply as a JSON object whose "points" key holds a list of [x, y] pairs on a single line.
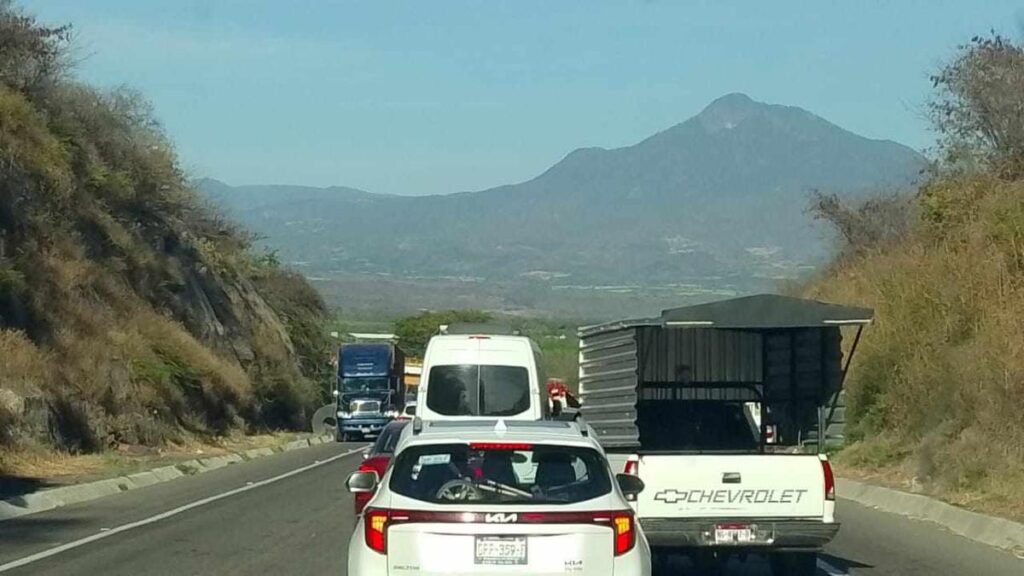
{"points": [[65, 495], [989, 530]]}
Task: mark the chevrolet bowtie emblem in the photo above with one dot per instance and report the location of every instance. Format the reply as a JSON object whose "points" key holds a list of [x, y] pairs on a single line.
{"points": [[671, 496]]}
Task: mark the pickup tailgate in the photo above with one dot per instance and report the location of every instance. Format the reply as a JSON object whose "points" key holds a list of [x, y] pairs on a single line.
{"points": [[732, 486]]}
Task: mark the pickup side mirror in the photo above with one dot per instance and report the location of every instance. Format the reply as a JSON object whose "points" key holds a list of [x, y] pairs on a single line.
{"points": [[630, 485], [359, 482]]}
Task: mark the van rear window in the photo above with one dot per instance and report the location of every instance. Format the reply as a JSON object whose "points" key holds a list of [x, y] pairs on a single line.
{"points": [[475, 390]]}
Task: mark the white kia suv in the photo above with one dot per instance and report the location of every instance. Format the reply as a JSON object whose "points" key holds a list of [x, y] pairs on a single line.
{"points": [[498, 497]]}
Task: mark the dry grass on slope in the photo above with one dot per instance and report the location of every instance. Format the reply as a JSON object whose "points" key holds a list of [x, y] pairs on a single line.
{"points": [[936, 389]]}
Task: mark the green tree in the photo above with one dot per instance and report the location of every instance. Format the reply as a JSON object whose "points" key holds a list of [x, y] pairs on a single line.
{"points": [[414, 332]]}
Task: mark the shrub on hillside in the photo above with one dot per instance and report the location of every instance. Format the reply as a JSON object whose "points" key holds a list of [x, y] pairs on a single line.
{"points": [[937, 383], [867, 224]]}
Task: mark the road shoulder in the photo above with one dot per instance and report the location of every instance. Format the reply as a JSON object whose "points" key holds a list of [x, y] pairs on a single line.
{"points": [[992, 531], [51, 498]]}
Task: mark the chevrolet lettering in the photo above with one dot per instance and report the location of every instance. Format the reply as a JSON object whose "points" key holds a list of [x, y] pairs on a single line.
{"points": [[790, 496]]}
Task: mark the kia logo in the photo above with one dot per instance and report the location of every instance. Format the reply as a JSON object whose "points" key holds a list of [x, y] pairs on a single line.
{"points": [[499, 518]]}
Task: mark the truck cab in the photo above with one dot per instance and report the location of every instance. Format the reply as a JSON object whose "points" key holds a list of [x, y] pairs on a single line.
{"points": [[370, 390]]}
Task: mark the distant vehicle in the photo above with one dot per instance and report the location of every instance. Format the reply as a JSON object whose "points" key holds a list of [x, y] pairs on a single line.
{"points": [[469, 376], [409, 411], [488, 497], [378, 457], [370, 388]]}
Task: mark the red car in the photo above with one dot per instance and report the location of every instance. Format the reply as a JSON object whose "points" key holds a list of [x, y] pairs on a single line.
{"points": [[378, 458]]}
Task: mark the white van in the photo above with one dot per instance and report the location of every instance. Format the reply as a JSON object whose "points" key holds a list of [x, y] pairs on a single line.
{"points": [[490, 376]]}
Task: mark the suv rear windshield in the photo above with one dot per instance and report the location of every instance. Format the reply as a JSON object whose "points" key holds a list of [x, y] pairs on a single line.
{"points": [[475, 390], [496, 474]]}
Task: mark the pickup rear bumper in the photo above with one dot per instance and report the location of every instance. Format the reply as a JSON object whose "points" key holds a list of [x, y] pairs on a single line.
{"points": [[773, 533]]}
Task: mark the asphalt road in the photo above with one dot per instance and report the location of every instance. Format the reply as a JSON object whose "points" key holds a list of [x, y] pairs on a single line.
{"points": [[248, 519]]}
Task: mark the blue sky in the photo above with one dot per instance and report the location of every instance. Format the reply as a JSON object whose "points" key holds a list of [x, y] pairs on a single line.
{"points": [[441, 96]]}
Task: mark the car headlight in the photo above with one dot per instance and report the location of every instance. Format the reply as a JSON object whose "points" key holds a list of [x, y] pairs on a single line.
{"points": [[391, 414], [344, 415]]}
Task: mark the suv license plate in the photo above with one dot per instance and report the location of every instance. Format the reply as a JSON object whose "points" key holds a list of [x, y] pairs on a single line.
{"points": [[501, 550], [734, 534]]}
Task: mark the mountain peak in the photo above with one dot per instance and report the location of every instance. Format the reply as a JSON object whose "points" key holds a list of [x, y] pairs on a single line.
{"points": [[726, 112]]}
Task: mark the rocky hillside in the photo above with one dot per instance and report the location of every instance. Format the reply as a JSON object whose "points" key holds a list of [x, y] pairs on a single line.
{"points": [[130, 311]]}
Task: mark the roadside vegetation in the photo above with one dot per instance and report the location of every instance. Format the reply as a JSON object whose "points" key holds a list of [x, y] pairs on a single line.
{"points": [[556, 338], [131, 313], [935, 390]]}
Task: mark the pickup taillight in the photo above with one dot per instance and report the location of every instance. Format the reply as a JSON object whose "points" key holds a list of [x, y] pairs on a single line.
{"points": [[632, 466], [830, 480]]}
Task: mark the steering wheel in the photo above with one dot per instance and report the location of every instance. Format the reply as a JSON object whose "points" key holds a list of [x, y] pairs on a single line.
{"points": [[458, 490]]}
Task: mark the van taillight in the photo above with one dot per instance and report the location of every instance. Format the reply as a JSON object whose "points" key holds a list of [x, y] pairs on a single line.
{"points": [[376, 526], [830, 480]]}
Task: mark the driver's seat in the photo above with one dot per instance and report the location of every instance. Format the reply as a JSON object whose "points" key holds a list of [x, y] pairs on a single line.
{"points": [[554, 469], [497, 466]]}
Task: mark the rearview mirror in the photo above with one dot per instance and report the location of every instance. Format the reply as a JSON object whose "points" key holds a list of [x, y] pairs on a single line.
{"points": [[362, 482], [630, 485]]}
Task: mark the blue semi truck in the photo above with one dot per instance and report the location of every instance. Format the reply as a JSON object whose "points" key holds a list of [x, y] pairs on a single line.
{"points": [[370, 390]]}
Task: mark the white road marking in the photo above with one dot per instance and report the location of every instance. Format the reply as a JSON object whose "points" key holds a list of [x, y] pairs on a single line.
{"points": [[830, 569], [108, 532]]}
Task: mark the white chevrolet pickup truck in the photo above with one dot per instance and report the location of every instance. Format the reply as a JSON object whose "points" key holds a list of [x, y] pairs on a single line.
{"points": [[724, 410], [722, 503]]}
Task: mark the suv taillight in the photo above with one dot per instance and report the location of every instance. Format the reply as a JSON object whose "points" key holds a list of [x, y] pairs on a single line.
{"points": [[624, 525], [830, 480], [377, 520], [376, 528]]}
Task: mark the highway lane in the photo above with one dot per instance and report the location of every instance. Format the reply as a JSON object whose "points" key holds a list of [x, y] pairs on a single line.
{"points": [[300, 524]]}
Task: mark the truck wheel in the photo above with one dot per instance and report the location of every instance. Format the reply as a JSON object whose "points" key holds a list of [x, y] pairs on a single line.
{"points": [[794, 564]]}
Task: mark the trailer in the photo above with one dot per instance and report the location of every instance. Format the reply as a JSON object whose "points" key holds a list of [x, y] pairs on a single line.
{"points": [[782, 354]]}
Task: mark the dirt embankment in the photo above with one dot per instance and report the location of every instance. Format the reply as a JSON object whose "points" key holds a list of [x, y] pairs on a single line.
{"points": [[130, 311]]}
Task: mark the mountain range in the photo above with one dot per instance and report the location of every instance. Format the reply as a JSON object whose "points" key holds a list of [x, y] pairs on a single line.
{"points": [[717, 201]]}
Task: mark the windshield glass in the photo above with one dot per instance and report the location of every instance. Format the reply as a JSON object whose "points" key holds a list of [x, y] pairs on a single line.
{"points": [[388, 439], [475, 390], [364, 384], [479, 473]]}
